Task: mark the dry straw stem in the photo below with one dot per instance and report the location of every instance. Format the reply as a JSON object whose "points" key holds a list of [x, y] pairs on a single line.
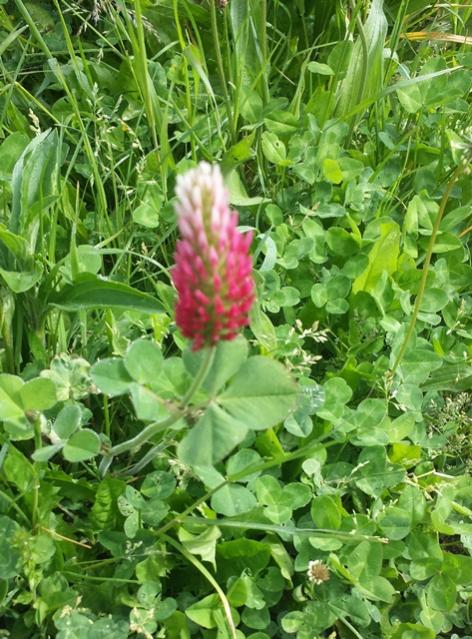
{"points": [[438, 36]]}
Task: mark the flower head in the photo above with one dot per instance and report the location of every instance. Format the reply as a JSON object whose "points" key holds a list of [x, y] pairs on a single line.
{"points": [[213, 268], [317, 572]]}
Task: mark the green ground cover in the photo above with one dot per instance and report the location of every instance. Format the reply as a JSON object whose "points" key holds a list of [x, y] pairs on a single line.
{"points": [[315, 481]]}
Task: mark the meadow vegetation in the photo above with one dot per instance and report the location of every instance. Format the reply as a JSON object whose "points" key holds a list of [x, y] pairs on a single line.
{"points": [[311, 478]]}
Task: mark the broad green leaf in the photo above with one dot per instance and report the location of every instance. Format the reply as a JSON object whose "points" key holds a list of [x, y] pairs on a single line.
{"points": [[238, 593], [9, 554], [446, 242], [15, 244], [89, 292], [177, 626], [45, 453], [418, 363], [233, 499], [423, 545], [352, 607], [337, 393], [238, 195], [67, 421], [229, 357], [154, 511], [320, 68], [238, 555], [293, 621], [10, 150], [406, 454], [269, 493], [147, 405], [281, 123], [164, 608], [273, 148], [147, 212], [238, 153], [434, 300], [33, 182], [413, 631], [296, 494], [158, 485], [365, 560], [104, 512], [441, 592], [41, 548], [143, 361], [140, 618], [21, 281], [377, 588], [246, 20], [111, 376], [410, 97], [326, 511], [315, 618], [70, 376], [256, 619], [88, 260], [260, 395], [202, 544], [73, 625], [383, 258], [202, 611], [9, 410], [243, 459], [412, 500], [148, 570], [38, 394], [374, 475], [367, 418], [212, 438], [108, 627], [341, 242], [83, 445], [319, 294], [395, 523], [18, 470], [263, 329], [364, 76], [332, 171]]}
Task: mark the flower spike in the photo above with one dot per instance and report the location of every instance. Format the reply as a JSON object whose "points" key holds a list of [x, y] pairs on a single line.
{"points": [[213, 268]]}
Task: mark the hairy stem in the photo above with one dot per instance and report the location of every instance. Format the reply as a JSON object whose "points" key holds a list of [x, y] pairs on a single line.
{"points": [[209, 577], [156, 427], [424, 276]]}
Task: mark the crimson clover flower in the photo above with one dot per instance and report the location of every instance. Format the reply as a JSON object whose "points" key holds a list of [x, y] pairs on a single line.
{"points": [[213, 268]]}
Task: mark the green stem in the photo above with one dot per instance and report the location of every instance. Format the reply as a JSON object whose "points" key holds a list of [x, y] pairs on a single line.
{"points": [[147, 458], [85, 577], [6, 320], [263, 37], [36, 479], [249, 470], [322, 533], [12, 502], [221, 70], [209, 577], [143, 436], [145, 83], [351, 627], [422, 287], [200, 376], [183, 46], [152, 429], [106, 414]]}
